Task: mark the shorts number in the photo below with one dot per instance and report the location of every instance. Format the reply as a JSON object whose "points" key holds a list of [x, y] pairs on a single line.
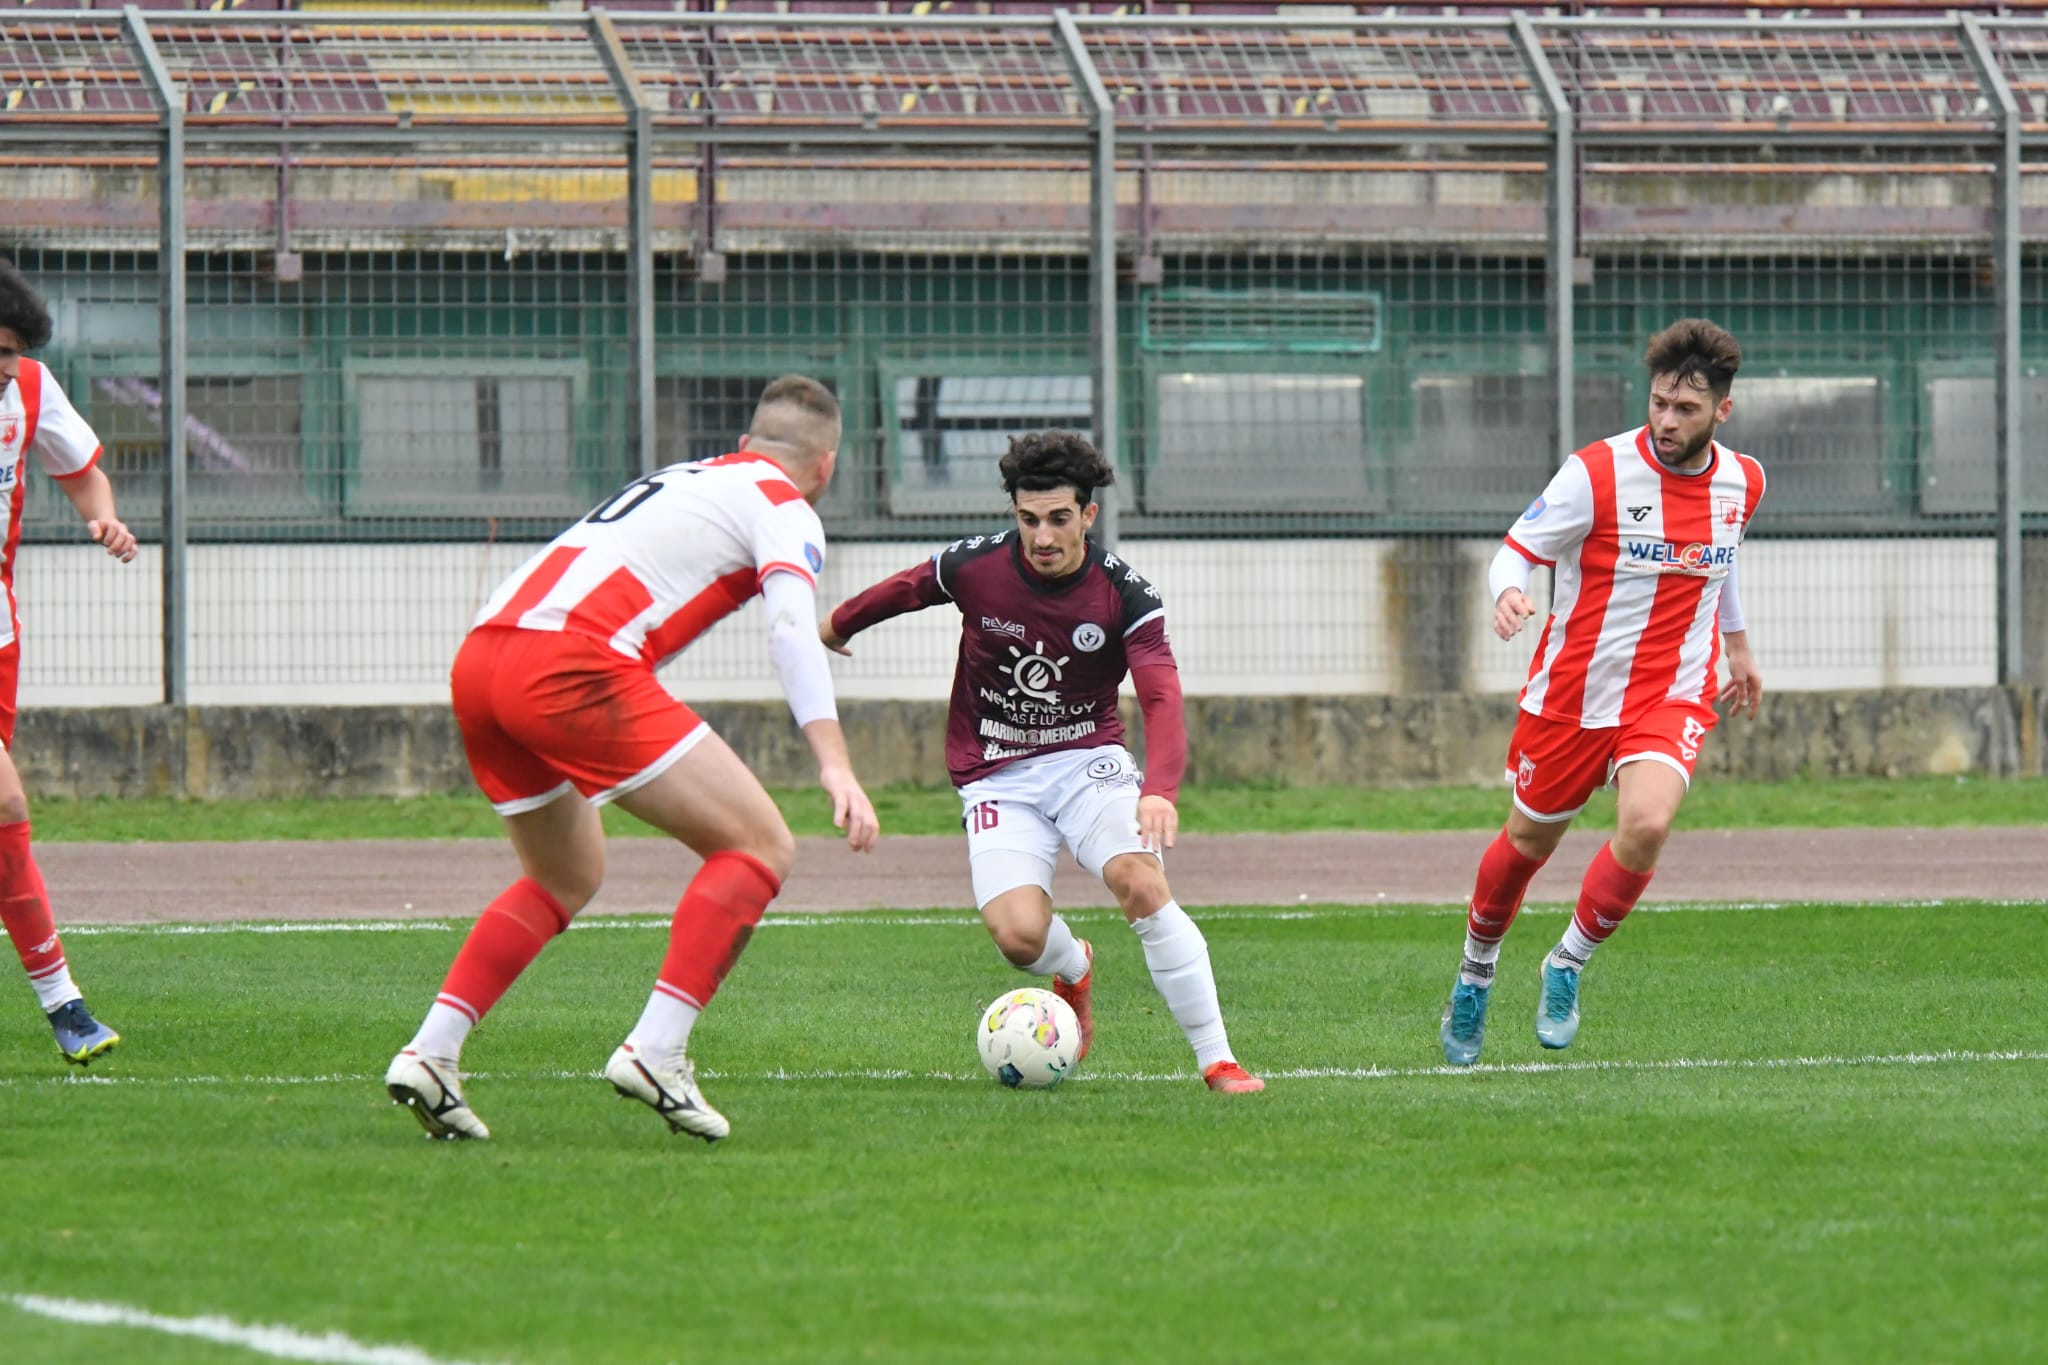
{"points": [[982, 818], [615, 507]]}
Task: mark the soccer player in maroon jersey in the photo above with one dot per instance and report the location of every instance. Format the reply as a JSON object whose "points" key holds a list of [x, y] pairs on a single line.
{"points": [[36, 418], [1643, 530], [1050, 623]]}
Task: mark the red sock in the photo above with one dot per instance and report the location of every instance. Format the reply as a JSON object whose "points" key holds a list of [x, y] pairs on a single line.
{"points": [[25, 905], [1497, 894], [724, 902], [1609, 892], [508, 936]]}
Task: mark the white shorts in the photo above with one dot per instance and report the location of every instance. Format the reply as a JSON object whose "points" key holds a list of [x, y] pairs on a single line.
{"points": [[1016, 819]]}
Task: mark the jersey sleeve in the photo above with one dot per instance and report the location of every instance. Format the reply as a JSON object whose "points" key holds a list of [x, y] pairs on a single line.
{"points": [[65, 445], [789, 538], [1558, 519], [949, 562], [1144, 616]]}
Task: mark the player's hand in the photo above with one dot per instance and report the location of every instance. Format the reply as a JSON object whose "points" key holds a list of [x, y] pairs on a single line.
{"points": [[1510, 612], [112, 533], [1158, 822], [1745, 689], [832, 639], [851, 809]]}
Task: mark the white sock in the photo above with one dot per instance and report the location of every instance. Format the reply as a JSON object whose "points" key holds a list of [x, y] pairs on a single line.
{"points": [[443, 1032], [663, 1032], [1573, 949], [1063, 957], [1480, 959], [1178, 957], [54, 988]]}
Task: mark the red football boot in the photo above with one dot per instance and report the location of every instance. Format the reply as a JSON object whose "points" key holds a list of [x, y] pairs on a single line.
{"points": [[1080, 996], [1228, 1078]]}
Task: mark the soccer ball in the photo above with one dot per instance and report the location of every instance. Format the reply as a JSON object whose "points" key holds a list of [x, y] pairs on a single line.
{"points": [[1028, 1039]]}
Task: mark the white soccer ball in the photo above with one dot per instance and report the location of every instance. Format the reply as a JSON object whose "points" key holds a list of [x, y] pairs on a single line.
{"points": [[1029, 1039]]}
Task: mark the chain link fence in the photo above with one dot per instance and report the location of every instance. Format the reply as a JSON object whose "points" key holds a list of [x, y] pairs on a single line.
{"points": [[1337, 293]]}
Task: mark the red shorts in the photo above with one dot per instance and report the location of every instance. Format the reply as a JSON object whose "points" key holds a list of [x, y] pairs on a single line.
{"points": [[10, 689], [1556, 765], [543, 711]]}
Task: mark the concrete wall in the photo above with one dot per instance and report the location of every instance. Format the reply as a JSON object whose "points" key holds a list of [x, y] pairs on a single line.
{"points": [[378, 624], [266, 752]]}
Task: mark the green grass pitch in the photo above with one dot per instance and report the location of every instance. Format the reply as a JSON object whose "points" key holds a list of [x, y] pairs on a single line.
{"points": [[1800, 1134]]}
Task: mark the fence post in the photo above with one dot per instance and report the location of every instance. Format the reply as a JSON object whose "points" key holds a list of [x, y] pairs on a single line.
{"points": [[171, 380], [640, 232], [1102, 273], [2006, 399], [1561, 235]]}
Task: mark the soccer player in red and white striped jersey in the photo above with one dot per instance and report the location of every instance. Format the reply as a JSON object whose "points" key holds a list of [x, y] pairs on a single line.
{"points": [[37, 419], [1642, 530], [560, 710]]}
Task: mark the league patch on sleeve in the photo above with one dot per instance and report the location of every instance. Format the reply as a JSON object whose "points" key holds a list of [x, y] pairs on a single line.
{"points": [[1535, 510], [814, 556]]}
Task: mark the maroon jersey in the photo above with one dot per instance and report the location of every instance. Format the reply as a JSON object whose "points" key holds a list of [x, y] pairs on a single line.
{"points": [[1040, 658]]}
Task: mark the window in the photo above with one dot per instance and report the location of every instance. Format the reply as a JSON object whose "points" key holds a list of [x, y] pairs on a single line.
{"points": [[1959, 444], [951, 431], [498, 444], [243, 440], [700, 417], [1482, 441], [1820, 439], [1258, 442]]}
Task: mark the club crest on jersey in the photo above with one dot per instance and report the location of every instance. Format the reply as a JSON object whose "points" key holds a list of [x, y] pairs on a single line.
{"points": [[1728, 512], [10, 431], [1535, 510], [814, 556], [1036, 674], [1088, 637]]}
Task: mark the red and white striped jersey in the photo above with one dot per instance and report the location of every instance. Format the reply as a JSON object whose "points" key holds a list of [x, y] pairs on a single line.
{"points": [[1640, 554], [666, 557], [35, 415]]}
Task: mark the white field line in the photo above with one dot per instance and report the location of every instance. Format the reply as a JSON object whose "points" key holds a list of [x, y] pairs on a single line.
{"points": [[858, 919], [282, 1343], [1949, 1057]]}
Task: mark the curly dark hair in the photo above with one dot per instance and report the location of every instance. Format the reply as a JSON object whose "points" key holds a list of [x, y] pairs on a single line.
{"points": [[1695, 351], [1040, 461], [22, 310]]}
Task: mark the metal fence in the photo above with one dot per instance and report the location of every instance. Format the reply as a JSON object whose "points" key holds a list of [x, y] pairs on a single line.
{"points": [[364, 305]]}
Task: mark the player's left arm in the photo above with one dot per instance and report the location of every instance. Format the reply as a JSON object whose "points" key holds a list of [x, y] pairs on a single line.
{"points": [[1156, 678], [69, 452], [1745, 689], [92, 493]]}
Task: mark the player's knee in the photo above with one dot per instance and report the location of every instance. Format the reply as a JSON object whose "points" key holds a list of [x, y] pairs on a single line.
{"points": [[13, 807], [776, 850], [1539, 843], [1139, 884], [1020, 944], [1642, 832]]}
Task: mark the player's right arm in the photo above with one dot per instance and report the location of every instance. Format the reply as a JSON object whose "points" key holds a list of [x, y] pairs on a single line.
{"points": [[914, 589], [1552, 526]]}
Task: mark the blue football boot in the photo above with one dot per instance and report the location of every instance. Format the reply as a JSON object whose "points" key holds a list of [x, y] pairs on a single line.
{"points": [[80, 1037], [1464, 1027], [1557, 1008]]}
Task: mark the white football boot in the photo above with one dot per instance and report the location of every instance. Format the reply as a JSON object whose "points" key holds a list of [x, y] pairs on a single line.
{"points": [[432, 1089], [669, 1089]]}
